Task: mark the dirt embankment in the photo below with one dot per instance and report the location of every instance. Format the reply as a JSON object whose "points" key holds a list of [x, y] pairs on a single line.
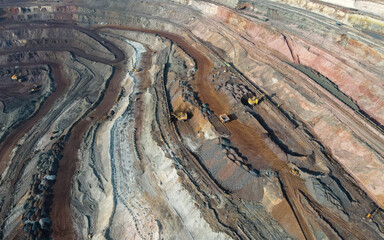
{"points": [[62, 219], [61, 85], [61, 208], [238, 129], [245, 135]]}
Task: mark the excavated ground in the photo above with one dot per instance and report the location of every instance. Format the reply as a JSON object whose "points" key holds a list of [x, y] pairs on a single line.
{"points": [[91, 146]]}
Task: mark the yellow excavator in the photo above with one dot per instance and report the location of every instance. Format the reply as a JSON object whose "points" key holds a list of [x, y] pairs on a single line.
{"points": [[294, 172], [14, 77], [135, 70], [180, 116], [255, 100], [371, 214]]}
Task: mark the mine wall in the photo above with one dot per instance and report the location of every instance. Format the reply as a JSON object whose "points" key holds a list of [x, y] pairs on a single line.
{"points": [[116, 130]]}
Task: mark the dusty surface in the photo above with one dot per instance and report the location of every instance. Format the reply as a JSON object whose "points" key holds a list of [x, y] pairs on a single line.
{"points": [[91, 146]]}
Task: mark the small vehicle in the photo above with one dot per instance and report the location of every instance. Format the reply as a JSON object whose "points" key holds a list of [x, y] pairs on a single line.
{"points": [[255, 100], [224, 118], [180, 116]]}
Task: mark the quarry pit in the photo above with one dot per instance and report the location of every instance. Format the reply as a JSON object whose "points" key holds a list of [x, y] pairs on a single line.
{"points": [[191, 119]]}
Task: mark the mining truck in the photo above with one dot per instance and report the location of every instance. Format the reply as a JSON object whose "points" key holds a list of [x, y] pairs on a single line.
{"points": [[371, 214], [224, 118]]}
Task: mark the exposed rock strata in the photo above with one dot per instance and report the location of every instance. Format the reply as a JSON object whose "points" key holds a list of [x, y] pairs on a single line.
{"points": [[100, 154]]}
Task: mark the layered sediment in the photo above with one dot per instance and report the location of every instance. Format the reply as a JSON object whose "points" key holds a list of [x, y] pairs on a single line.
{"points": [[112, 120]]}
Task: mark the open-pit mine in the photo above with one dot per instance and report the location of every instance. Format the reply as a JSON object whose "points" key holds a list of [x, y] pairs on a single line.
{"points": [[191, 119]]}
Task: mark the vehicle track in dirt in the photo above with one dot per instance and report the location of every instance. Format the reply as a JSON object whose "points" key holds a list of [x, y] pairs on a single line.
{"points": [[238, 130], [61, 212], [9, 143], [61, 209], [205, 92], [202, 63], [208, 95]]}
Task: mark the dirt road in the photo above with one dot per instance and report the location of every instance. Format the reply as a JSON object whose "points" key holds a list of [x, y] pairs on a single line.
{"points": [[240, 133], [61, 212], [61, 208], [61, 85]]}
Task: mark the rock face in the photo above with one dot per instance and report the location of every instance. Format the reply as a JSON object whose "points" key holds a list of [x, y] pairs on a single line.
{"points": [[112, 120]]}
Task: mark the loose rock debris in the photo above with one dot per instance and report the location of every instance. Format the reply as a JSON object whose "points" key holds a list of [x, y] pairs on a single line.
{"points": [[110, 122]]}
